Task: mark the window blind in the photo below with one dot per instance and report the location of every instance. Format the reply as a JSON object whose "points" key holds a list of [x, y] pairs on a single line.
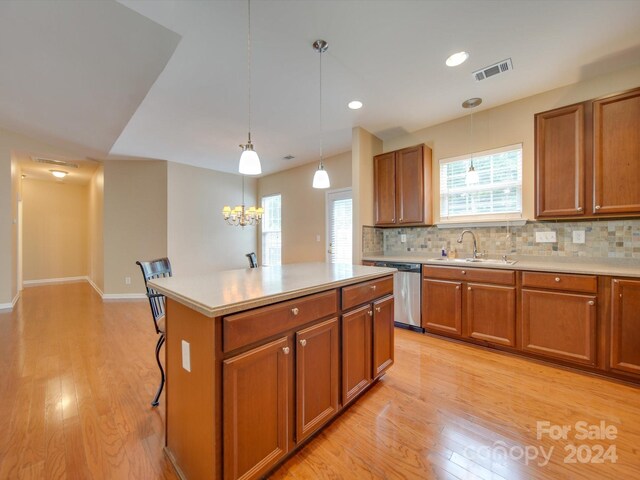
{"points": [[340, 218], [272, 230]]}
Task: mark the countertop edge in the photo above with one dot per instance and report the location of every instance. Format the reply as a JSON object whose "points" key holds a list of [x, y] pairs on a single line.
{"points": [[230, 308]]}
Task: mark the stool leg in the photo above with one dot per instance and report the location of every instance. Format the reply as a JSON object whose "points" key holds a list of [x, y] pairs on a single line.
{"points": [[158, 347]]}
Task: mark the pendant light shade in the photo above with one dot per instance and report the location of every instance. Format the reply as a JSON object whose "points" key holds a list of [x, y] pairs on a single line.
{"points": [[472, 177], [321, 177], [249, 160]]}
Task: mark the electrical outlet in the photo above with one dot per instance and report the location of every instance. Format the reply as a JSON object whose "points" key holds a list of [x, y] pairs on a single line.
{"points": [[186, 356], [127, 280], [318, 238], [546, 237], [403, 238], [578, 236]]}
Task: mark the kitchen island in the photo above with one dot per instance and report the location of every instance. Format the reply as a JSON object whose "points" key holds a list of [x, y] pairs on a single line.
{"points": [[258, 360]]}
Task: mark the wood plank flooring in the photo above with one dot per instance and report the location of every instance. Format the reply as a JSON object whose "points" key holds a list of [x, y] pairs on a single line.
{"points": [[77, 376]]}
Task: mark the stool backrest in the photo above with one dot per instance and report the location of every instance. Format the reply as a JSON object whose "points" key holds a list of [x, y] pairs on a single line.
{"points": [[152, 269]]}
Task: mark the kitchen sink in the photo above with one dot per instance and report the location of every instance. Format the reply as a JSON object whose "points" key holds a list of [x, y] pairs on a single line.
{"points": [[487, 261]]}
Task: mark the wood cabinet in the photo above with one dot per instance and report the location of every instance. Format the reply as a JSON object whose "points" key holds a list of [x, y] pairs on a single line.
{"points": [[474, 303], [625, 326], [383, 336], [402, 187], [560, 325], [587, 158], [356, 352], [255, 414], [317, 376]]}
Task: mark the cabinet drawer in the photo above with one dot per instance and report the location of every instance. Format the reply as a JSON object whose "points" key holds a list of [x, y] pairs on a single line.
{"points": [[485, 275], [364, 292], [255, 325], [560, 281]]}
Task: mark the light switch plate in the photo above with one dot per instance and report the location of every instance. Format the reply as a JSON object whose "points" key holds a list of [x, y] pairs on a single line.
{"points": [[403, 238], [546, 237], [186, 356], [578, 236]]}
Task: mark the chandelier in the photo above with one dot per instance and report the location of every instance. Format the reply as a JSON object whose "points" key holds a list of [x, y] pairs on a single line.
{"points": [[240, 215]]}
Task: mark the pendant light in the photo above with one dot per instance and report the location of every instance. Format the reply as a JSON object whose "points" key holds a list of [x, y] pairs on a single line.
{"points": [[472, 177], [321, 177], [249, 160]]}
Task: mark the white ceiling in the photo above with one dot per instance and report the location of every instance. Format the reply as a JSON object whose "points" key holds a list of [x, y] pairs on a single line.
{"points": [[389, 54]]}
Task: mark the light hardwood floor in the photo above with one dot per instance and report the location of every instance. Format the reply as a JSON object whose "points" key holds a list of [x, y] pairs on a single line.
{"points": [[77, 376]]}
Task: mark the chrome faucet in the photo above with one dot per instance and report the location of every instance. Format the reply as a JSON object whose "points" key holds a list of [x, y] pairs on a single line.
{"points": [[475, 244]]}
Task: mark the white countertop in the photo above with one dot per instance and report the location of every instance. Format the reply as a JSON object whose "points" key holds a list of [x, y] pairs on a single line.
{"points": [[221, 293], [619, 267]]}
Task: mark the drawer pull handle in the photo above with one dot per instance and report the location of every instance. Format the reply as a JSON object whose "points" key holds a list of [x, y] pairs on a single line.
{"points": [[557, 279], [592, 303], [464, 272], [286, 350], [370, 313], [303, 342], [295, 310], [378, 309], [373, 287]]}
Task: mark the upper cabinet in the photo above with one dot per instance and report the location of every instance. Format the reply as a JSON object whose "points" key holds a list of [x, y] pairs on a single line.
{"points": [[402, 187], [587, 158]]}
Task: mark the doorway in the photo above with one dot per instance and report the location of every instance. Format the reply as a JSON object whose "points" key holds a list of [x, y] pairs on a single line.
{"points": [[339, 226]]}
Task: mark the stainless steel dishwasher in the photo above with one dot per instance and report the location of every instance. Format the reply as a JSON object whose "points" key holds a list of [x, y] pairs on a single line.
{"points": [[407, 294]]}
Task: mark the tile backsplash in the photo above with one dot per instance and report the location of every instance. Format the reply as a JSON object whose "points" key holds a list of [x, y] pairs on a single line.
{"points": [[603, 239]]}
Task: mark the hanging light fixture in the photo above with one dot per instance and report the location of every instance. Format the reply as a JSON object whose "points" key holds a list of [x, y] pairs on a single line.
{"points": [[321, 177], [249, 160], [240, 216], [472, 177]]}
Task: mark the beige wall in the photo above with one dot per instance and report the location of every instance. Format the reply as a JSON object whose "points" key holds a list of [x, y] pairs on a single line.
{"points": [[303, 207], [505, 125], [95, 226], [55, 243], [364, 147], [135, 221], [198, 238]]}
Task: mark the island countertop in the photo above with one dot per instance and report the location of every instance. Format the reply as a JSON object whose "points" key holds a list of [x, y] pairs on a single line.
{"points": [[221, 293]]}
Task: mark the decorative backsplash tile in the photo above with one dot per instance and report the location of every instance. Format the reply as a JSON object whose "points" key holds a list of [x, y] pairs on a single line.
{"points": [[603, 239]]}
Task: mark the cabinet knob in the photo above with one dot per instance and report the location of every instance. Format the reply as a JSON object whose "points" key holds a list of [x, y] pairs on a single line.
{"points": [[457, 287], [597, 207], [370, 313], [557, 279], [303, 342], [373, 287], [469, 288], [295, 310], [286, 350], [592, 303], [400, 218], [579, 209], [378, 309], [464, 272]]}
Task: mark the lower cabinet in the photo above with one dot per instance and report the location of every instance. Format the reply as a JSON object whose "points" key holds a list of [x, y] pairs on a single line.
{"points": [[383, 336], [317, 376], [559, 325], [490, 313], [442, 306], [625, 326], [356, 352], [256, 409]]}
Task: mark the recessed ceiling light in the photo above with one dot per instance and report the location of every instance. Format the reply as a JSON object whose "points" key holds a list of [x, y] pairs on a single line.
{"points": [[59, 173], [355, 104], [457, 59], [472, 102]]}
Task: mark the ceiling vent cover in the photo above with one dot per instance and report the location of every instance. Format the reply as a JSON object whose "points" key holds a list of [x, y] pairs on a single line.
{"points": [[492, 70], [57, 163]]}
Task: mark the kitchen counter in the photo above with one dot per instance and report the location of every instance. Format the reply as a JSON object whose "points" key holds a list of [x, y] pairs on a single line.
{"points": [[618, 267], [221, 293]]}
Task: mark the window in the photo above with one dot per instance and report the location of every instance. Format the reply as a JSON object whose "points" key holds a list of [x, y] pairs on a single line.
{"points": [[271, 230], [340, 226], [494, 194]]}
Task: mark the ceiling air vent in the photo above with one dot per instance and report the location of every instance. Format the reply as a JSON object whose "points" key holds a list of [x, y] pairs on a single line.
{"points": [[288, 157], [495, 69], [57, 163]]}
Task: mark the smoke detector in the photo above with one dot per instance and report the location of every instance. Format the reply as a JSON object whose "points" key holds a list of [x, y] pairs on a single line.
{"points": [[492, 70]]}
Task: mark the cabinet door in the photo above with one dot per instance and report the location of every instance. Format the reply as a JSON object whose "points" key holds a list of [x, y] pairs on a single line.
{"points": [[356, 352], [491, 313], [560, 162], [384, 188], [616, 153], [255, 399], [625, 326], [317, 376], [559, 325], [410, 185], [383, 336], [442, 306]]}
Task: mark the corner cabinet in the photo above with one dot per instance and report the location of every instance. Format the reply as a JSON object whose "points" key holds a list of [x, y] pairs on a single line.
{"points": [[402, 187], [586, 159], [625, 326]]}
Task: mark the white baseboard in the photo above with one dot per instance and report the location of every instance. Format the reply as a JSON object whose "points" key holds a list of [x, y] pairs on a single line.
{"points": [[95, 287], [50, 281], [124, 296], [9, 306]]}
